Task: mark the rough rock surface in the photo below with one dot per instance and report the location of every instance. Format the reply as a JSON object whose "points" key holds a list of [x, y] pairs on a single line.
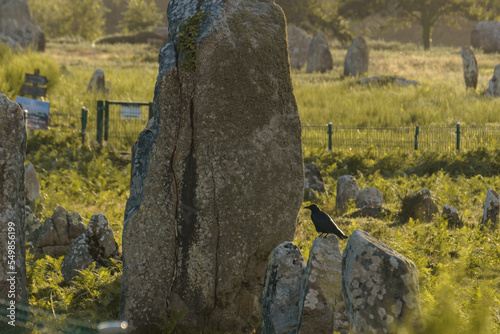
{"points": [[319, 58], [313, 182], [494, 88], [451, 214], [419, 205], [491, 208], [58, 232], [357, 58], [384, 80], [470, 67], [486, 35], [97, 83], [370, 197], [380, 286], [16, 24], [12, 214], [322, 305], [96, 244], [31, 183], [298, 46], [280, 299], [347, 189], [220, 162]]}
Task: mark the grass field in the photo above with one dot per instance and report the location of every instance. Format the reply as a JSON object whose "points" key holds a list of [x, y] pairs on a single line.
{"points": [[458, 269]]}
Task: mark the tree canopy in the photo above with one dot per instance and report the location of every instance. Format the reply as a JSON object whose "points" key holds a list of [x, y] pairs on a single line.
{"points": [[424, 12]]}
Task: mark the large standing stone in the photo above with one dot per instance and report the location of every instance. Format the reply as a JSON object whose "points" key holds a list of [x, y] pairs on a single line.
{"points": [[494, 88], [491, 208], [298, 46], [486, 35], [470, 67], [16, 23], [357, 58], [217, 179], [451, 215], [96, 244], [281, 295], [313, 181], [12, 214], [380, 286], [319, 58], [322, 305], [347, 189]]}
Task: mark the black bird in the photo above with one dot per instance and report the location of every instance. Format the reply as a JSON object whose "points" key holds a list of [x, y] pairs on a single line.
{"points": [[324, 223]]}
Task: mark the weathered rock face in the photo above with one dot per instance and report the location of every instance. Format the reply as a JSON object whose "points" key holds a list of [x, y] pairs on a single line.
{"points": [[96, 244], [322, 305], [491, 208], [319, 58], [370, 198], [31, 183], [313, 181], [470, 67], [380, 286], [298, 46], [451, 214], [347, 189], [225, 136], [12, 214], [493, 88], [357, 58], [58, 232], [486, 35], [280, 299], [97, 83], [16, 24], [419, 205]]}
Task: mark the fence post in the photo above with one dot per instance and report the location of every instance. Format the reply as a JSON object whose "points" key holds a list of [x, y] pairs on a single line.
{"points": [[330, 144], [150, 111], [458, 136], [416, 138], [106, 120], [100, 113], [84, 124]]}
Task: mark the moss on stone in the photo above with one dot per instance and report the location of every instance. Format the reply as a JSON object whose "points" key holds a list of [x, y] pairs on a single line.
{"points": [[188, 35]]}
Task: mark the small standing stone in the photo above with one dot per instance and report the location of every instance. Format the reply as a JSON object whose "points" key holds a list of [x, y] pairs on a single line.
{"points": [[380, 286], [12, 214], [491, 208], [313, 181], [369, 198], [298, 45], [319, 58], [280, 300], [347, 189], [470, 67], [419, 205], [31, 183], [493, 88], [97, 82], [322, 305], [357, 58], [96, 244], [451, 214]]}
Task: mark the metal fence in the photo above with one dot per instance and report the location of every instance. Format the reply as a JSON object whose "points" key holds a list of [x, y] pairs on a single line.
{"points": [[429, 138]]}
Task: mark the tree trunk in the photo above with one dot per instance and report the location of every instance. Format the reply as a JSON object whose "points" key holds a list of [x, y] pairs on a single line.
{"points": [[426, 35]]}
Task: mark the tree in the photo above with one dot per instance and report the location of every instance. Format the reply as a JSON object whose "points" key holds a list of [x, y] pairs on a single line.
{"points": [[313, 15], [424, 12], [59, 18], [140, 15]]}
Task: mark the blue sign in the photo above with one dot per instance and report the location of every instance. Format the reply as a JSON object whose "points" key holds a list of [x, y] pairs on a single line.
{"points": [[38, 112]]}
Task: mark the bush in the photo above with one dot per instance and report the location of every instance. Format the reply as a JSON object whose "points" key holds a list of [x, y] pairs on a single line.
{"points": [[140, 15]]}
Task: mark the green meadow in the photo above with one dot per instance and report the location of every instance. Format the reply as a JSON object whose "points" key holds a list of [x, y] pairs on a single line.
{"points": [[458, 268]]}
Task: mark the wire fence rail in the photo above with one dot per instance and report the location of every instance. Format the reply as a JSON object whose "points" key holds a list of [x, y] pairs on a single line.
{"points": [[383, 140]]}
